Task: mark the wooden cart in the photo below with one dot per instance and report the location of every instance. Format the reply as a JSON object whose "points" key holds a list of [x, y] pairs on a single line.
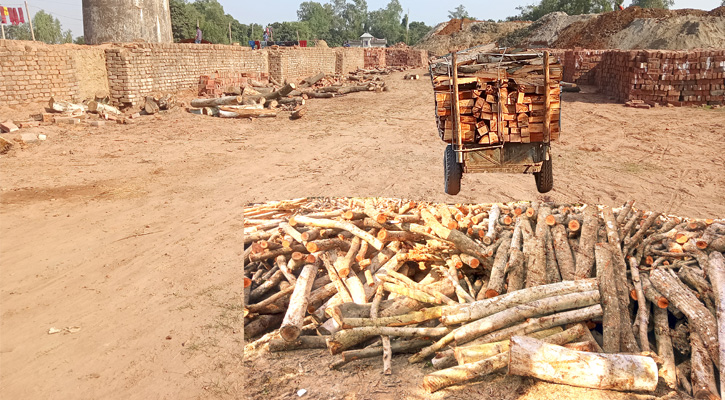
{"points": [[498, 111]]}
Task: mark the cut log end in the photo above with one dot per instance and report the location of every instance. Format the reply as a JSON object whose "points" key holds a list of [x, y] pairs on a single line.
{"points": [[574, 225], [247, 282], [290, 333], [491, 293], [550, 220]]}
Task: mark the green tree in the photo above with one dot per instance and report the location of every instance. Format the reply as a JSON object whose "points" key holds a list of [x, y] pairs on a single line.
{"points": [[18, 32], [47, 29], [654, 3], [459, 13], [571, 7], [183, 20], [416, 32], [319, 19], [287, 31], [385, 22], [79, 40]]}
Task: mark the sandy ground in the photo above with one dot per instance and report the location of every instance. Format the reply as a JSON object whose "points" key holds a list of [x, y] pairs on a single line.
{"points": [[132, 233]]}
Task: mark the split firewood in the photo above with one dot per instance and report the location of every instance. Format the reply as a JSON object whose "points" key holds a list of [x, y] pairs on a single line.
{"points": [[552, 363], [292, 324]]}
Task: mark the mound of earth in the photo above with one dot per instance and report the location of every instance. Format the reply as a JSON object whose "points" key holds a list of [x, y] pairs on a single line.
{"points": [[463, 34], [636, 27]]}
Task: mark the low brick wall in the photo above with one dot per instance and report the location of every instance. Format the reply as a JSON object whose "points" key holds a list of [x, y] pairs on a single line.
{"points": [[349, 59], [33, 72], [676, 77], [138, 69], [294, 64]]}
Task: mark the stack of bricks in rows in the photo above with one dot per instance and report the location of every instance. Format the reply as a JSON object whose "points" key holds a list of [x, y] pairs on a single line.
{"points": [[674, 77], [502, 102]]}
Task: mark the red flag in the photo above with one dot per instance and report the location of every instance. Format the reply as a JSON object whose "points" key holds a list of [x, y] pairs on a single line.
{"points": [[2, 15], [20, 16], [13, 16]]}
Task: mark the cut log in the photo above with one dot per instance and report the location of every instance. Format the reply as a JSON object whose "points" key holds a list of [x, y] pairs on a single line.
{"points": [[552, 363], [703, 376], [459, 239], [587, 240], [508, 317], [344, 225], [564, 256], [298, 113], [65, 106], [474, 353], [483, 308], [301, 343], [416, 317], [642, 305], [308, 82], [232, 112], [262, 324], [664, 347], [96, 107], [463, 373], [292, 324], [698, 316], [716, 271], [399, 347], [150, 106], [612, 323], [221, 101], [345, 339], [628, 342], [496, 283]]}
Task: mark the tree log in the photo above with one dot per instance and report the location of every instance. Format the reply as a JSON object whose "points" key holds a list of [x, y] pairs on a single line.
{"points": [[299, 113], [641, 304], [399, 347], [344, 225], [307, 82], [703, 376], [612, 323], [463, 373], [587, 240], [94, 106], [301, 343], [628, 342], [493, 215], [699, 317], [459, 239], [564, 256], [508, 317], [474, 353], [552, 363], [221, 101], [347, 338], [262, 324], [716, 272], [664, 347], [496, 282], [292, 324]]}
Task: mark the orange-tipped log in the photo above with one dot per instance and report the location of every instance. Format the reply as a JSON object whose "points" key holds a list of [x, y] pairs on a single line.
{"points": [[574, 225]]}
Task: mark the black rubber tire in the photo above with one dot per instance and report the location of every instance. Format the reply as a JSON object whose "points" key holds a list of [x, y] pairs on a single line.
{"points": [[545, 178], [452, 172]]}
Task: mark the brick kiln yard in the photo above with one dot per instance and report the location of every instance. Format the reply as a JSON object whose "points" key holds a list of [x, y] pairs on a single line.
{"points": [[130, 235]]}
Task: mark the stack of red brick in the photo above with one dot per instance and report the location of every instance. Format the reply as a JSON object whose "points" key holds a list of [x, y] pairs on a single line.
{"points": [[405, 57], [580, 65], [375, 58], [216, 84], [693, 77]]}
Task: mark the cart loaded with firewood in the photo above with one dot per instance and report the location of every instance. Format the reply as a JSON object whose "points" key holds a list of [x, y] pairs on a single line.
{"points": [[499, 111]]}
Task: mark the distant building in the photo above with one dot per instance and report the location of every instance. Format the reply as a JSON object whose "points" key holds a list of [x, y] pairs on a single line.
{"points": [[367, 40]]}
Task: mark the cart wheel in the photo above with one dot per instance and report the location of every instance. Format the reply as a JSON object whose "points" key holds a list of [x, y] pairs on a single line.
{"points": [[452, 171], [545, 178]]}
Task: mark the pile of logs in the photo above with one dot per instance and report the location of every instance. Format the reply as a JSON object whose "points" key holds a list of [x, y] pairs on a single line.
{"points": [[502, 97], [267, 100], [582, 295]]}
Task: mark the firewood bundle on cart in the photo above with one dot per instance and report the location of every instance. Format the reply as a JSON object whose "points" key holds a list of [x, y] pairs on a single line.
{"points": [[499, 110], [583, 295]]}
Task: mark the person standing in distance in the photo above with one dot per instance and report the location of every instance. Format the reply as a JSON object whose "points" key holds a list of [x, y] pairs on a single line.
{"points": [[198, 35]]}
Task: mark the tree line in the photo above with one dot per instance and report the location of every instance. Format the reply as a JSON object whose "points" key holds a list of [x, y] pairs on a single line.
{"points": [[334, 21]]}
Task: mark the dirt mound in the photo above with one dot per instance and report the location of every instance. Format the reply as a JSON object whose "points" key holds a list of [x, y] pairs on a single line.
{"points": [[468, 35], [672, 33], [596, 33], [454, 25]]}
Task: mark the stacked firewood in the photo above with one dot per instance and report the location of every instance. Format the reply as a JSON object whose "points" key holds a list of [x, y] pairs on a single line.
{"points": [[617, 293], [503, 97], [266, 100]]}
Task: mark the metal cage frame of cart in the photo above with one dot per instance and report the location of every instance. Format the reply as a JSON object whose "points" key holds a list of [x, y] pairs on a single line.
{"points": [[506, 157]]}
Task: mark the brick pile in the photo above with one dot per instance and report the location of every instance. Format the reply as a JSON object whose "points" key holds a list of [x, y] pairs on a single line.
{"points": [[34, 72], [580, 66], [665, 77], [293, 64], [215, 84], [374, 58], [349, 59], [405, 57], [139, 69]]}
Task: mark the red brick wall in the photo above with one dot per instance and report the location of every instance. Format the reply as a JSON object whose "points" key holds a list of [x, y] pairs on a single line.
{"points": [[374, 58]]}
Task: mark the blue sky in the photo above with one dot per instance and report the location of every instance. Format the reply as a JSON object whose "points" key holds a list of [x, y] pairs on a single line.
{"points": [[429, 11]]}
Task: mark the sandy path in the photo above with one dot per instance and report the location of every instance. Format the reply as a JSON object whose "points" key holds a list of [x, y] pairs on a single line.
{"points": [[133, 232]]}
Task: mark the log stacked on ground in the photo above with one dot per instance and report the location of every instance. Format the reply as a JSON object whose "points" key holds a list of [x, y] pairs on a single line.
{"points": [[435, 280]]}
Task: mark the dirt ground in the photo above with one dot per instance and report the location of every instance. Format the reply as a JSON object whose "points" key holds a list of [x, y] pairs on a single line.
{"points": [[131, 235]]}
